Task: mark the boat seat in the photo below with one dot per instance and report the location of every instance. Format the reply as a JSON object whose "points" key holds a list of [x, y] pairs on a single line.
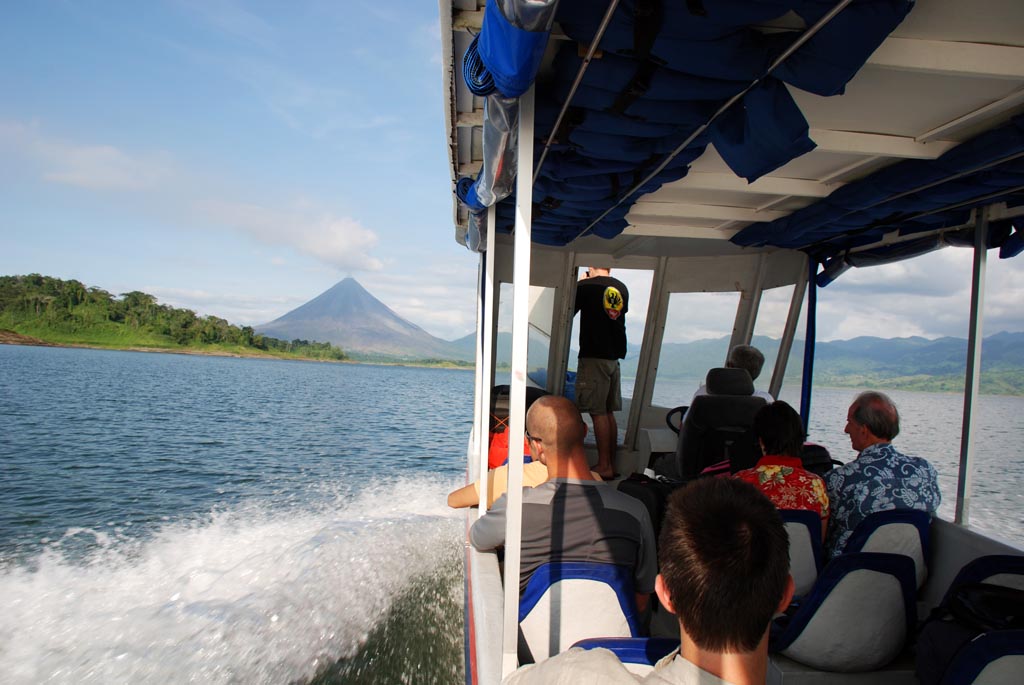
{"points": [[638, 654], [804, 529], [900, 531], [565, 602], [856, 618], [719, 426]]}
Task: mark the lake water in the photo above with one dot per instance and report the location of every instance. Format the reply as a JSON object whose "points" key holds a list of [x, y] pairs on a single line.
{"points": [[170, 518]]}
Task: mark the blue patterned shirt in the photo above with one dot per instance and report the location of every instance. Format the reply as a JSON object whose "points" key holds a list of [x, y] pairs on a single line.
{"points": [[879, 479]]}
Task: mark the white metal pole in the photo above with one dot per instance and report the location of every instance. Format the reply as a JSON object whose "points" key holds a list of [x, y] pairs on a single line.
{"points": [[479, 416], [486, 371], [650, 352], [746, 312], [973, 378], [796, 303], [517, 394]]}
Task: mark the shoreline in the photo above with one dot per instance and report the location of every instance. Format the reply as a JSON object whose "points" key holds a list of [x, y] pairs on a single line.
{"points": [[8, 337]]}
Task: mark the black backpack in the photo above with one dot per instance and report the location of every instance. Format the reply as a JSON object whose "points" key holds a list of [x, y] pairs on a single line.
{"points": [[970, 610]]}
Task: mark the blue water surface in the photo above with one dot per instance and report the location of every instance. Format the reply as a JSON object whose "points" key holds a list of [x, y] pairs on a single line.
{"points": [[106, 439]]}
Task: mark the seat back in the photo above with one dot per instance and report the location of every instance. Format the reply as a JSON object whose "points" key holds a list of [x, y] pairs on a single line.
{"points": [[638, 654], [565, 602], [856, 618], [804, 529], [719, 426], [900, 531]]}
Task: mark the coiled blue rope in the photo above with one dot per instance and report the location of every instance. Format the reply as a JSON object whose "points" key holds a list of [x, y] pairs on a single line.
{"points": [[467, 195], [475, 73]]}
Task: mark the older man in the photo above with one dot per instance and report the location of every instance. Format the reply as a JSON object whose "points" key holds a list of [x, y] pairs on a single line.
{"points": [[881, 478], [724, 572], [572, 516], [748, 358]]}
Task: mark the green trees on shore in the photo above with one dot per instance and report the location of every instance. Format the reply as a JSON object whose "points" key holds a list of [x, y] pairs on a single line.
{"points": [[69, 312]]}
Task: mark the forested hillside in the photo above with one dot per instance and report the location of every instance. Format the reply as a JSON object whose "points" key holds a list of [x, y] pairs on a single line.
{"points": [[69, 312]]}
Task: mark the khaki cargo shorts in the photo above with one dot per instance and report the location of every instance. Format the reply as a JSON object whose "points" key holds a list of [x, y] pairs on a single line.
{"points": [[598, 388]]}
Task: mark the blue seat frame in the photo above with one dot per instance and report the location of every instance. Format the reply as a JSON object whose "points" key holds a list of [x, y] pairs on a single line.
{"points": [[619, 578]]}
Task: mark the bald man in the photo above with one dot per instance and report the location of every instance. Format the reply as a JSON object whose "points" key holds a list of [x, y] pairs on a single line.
{"points": [[572, 517]]}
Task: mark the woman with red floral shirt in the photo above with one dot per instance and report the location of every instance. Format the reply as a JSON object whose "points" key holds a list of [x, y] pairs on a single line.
{"points": [[780, 473]]}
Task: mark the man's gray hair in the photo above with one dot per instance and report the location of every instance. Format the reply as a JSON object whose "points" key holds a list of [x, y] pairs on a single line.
{"points": [[746, 357], [877, 412]]}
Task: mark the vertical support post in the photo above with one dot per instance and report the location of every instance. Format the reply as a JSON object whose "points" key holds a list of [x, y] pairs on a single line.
{"points": [[479, 415], [972, 381], [812, 322], [789, 333], [561, 330], [746, 311], [650, 353], [517, 394], [485, 361]]}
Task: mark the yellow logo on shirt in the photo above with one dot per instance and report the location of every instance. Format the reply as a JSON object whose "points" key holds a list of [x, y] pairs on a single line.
{"points": [[613, 302]]}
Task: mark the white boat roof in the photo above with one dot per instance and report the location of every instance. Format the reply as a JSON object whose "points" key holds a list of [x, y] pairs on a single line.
{"points": [[946, 74]]}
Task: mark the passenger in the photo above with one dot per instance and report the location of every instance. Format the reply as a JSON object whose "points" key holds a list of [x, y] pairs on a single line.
{"points": [[780, 474], [745, 357], [534, 473], [572, 516], [724, 558], [602, 302], [880, 478]]}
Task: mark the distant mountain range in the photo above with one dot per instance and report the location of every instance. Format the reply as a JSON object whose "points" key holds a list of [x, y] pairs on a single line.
{"points": [[365, 328]]}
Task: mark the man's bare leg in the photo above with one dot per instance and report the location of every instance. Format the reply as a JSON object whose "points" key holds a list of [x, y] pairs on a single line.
{"points": [[606, 433]]}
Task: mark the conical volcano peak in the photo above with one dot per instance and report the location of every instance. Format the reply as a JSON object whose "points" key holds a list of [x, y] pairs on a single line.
{"points": [[348, 315]]}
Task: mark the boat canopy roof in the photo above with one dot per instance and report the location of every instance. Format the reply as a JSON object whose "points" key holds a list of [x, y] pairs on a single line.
{"points": [[859, 131]]}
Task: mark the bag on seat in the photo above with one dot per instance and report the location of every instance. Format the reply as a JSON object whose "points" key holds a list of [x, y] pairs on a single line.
{"points": [[976, 634]]}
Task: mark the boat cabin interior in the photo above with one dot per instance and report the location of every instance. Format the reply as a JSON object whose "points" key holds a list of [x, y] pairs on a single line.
{"points": [[728, 154]]}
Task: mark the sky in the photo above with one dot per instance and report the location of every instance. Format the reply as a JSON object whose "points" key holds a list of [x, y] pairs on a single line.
{"points": [[239, 158]]}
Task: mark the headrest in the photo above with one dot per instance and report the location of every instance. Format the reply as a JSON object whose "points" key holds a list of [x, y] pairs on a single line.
{"points": [[729, 382]]}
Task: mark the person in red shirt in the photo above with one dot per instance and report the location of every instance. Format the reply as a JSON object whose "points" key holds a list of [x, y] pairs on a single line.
{"points": [[780, 473]]}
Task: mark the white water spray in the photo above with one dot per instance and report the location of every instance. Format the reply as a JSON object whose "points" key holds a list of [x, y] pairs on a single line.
{"points": [[250, 595]]}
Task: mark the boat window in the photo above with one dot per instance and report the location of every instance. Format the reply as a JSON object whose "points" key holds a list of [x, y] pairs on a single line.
{"points": [[768, 331], [542, 301], [697, 332], [503, 341], [542, 305]]}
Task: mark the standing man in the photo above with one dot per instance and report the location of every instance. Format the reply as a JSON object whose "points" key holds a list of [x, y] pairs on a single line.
{"points": [[880, 478], [602, 302]]}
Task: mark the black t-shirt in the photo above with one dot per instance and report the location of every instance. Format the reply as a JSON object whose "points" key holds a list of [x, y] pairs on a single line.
{"points": [[603, 302]]}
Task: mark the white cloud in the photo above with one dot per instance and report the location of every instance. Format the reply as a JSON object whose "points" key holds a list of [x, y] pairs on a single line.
{"points": [[241, 310], [230, 18], [176, 195], [341, 242], [440, 298], [92, 166]]}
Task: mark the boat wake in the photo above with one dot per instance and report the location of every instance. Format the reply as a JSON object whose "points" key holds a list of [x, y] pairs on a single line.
{"points": [[247, 595]]}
